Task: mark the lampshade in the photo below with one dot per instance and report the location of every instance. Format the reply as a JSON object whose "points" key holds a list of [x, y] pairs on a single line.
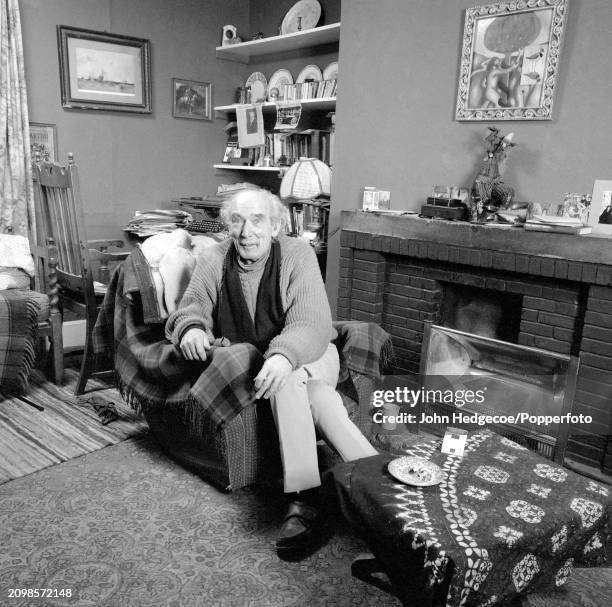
{"points": [[307, 178]]}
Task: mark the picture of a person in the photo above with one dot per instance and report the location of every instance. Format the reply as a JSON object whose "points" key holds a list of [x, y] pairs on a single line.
{"points": [[606, 214], [251, 126]]}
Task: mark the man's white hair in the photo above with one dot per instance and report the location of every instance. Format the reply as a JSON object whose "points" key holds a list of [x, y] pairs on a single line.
{"points": [[277, 210]]}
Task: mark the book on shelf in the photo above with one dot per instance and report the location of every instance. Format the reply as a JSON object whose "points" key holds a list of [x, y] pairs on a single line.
{"points": [[323, 89], [557, 228], [284, 147]]}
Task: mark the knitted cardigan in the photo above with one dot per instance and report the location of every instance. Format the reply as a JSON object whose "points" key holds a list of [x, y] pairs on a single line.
{"points": [[308, 327]]}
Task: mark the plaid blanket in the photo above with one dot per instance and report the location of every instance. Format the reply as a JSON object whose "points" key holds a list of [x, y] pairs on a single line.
{"points": [[17, 339], [151, 372], [365, 348]]}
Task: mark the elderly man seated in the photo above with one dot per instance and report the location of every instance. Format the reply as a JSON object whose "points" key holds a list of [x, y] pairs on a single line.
{"points": [[265, 288]]}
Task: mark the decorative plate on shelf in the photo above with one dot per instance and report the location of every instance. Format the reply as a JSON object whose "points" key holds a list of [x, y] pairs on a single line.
{"points": [[415, 471], [278, 79], [303, 15], [259, 86], [310, 72], [331, 71]]}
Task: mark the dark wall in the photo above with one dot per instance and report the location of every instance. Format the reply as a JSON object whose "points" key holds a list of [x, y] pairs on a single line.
{"points": [[395, 113], [128, 161]]}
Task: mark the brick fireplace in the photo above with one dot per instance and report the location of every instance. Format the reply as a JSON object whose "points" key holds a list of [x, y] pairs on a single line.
{"points": [[397, 271]]}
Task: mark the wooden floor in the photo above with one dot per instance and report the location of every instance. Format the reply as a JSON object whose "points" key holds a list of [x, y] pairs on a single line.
{"points": [[49, 425]]}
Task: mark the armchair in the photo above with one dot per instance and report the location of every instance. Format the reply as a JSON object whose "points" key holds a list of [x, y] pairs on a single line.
{"points": [[206, 417]]}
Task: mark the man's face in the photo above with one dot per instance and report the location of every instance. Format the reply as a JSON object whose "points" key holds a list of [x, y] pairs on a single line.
{"points": [[251, 228]]}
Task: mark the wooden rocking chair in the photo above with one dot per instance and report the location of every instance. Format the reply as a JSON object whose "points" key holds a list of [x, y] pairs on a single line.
{"points": [[61, 223]]}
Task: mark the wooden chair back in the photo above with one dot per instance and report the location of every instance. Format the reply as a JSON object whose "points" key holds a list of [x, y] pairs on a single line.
{"points": [[60, 217], [60, 222]]}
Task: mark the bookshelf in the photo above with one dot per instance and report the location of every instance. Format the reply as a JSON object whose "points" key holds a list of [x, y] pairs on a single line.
{"points": [[247, 52], [316, 108], [316, 139], [323, 104]]}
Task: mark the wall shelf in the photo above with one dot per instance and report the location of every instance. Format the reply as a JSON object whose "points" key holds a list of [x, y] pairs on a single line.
{"points": [[243, 167], [244, 52], [327, 103]]}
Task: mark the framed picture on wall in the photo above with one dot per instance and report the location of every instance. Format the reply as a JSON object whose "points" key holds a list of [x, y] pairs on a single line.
{"points": [[510, 60], [43, 141], [600, 214], [104, 72], [191, 99]]}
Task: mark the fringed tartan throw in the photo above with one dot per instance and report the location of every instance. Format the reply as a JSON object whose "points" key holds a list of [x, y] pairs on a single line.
{"points": [[18, 312], [152, 373]]}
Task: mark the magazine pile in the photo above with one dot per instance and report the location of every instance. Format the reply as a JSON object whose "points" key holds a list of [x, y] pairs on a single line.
{"points": [[157, 221], [556, 224]]}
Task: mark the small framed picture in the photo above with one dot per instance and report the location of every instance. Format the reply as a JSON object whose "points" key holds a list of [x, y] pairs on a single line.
{"points": [[43, 141], [600, 216], [191, 99]]}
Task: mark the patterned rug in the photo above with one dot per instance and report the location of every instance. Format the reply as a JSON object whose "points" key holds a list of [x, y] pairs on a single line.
{"points": [[68, 427], [127, 527], [585, 588]]}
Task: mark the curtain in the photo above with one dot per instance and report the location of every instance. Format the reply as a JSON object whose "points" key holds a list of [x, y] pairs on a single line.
{"points": [[16, 196]]}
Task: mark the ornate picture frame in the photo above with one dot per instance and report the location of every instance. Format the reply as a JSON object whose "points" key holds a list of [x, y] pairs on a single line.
{"points": [[510, 60], [104, 72], [191, 99], [43, 139]]}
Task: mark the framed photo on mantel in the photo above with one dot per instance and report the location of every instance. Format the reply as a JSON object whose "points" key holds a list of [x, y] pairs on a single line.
{"points": [[600, 213], [510, 60]]}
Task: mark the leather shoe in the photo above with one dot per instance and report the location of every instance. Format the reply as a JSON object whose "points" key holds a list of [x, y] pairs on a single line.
{"points": [[298, 527]]}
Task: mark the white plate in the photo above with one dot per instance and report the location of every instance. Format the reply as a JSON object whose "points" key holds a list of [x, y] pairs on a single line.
{"points": [[310, 72], [277, 80], [259, 85], [415, 471], [303, 15], [331, 71]]}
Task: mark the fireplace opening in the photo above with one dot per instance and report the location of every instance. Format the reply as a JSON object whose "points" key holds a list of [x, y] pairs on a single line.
{"points": [[484, 312]]}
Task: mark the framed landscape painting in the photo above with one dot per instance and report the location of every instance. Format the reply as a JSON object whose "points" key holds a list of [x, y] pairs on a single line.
{"points": [[510, 60], [104, 72]]}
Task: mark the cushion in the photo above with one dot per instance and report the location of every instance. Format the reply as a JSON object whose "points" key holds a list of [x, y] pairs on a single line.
{"points": [[15, 252], [13, 278]]}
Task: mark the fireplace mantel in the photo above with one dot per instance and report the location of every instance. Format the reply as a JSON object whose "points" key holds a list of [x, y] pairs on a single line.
{"points": [[592, 249], [394, 271]]}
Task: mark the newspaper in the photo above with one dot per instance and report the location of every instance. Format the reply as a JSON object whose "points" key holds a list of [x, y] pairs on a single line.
{"points": [[287, 116]]}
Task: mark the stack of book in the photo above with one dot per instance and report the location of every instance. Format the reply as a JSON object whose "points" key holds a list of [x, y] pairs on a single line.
{"points": [[557, 225]]}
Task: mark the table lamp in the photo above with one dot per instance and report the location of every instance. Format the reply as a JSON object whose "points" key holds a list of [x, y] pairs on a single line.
{"points": [[306, 188]]}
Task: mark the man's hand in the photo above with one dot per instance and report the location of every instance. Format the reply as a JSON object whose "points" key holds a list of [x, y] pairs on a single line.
{"points": [[272, 376], [194, 344]]}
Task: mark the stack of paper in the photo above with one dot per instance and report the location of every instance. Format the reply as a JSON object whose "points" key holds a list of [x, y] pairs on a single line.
{"points": [[559, 225], [156, 221]]}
